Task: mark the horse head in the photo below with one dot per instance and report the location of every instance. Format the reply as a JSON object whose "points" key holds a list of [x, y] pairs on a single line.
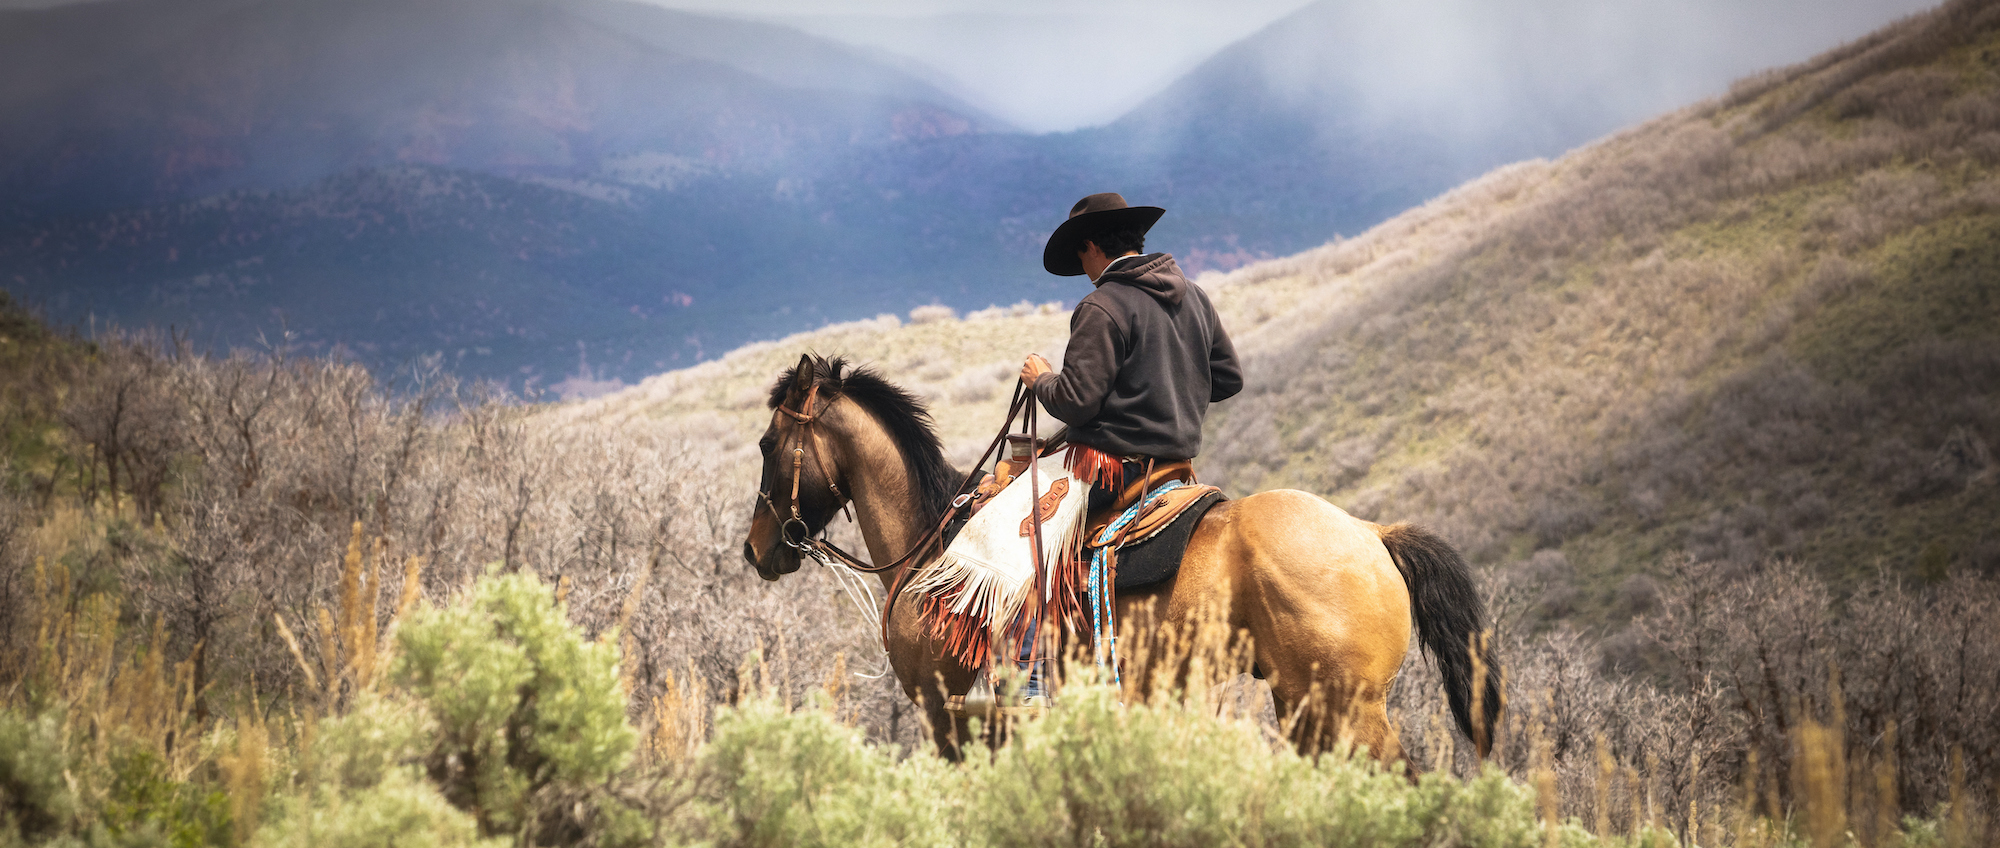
{"points": [[800, 488]]}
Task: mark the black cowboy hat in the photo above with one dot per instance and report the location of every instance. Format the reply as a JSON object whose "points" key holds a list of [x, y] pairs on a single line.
{"points": [[1098, 213]]}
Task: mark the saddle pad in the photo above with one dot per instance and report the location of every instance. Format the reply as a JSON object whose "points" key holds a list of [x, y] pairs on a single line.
{"points": [[988, 569], [1157, 558]]}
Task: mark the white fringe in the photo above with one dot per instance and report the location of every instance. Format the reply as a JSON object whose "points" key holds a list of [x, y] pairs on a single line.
{"points": [[987, 571]]}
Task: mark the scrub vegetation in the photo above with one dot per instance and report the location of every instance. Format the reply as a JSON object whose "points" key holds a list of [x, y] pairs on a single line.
{"points": [[1711, 402]]}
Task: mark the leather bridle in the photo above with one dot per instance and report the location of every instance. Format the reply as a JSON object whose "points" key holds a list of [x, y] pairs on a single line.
{"points": [[813, 544]]}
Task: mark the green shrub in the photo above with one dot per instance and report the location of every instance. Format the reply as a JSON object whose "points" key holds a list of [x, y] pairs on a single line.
{"points": [[1098, 773], [530, 717], [779, 778], [146, 806], [402, 810], [1092, 772], [53, 794], [36, 802]]}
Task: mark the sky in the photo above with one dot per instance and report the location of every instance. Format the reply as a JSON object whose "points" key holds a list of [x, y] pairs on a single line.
{"points": [[1021, 60], [1056, 65]]}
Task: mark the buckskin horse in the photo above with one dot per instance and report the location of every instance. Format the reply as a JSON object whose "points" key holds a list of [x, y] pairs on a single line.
{"points": [[1326, 599]]}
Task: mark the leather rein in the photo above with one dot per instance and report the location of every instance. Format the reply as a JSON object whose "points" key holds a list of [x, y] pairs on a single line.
{"points": [[823, 551]]}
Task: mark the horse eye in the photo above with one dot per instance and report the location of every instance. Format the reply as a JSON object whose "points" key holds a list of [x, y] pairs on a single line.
{"points": [[766, 444]]}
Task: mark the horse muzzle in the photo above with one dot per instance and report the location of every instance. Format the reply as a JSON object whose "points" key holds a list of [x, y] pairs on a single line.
{"points": [[777, 558]]}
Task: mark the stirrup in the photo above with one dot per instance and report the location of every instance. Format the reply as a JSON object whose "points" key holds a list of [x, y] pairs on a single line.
{"points": [[978, 700], [981, 701]]}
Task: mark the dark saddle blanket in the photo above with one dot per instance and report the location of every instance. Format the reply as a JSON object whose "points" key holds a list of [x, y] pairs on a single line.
{"points": [[1147, 551]]}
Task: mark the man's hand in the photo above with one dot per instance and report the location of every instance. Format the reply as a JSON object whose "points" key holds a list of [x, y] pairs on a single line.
{"points": [[1034, 368]]}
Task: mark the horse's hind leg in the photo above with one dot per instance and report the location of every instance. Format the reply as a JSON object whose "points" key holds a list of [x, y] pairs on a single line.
{"points": [[1332, 715]]}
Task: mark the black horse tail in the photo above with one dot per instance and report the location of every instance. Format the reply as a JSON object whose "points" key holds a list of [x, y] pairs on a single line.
{"points": [[1451, 626]]}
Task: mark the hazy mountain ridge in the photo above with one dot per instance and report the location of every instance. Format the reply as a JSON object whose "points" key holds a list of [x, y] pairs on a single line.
{"points": [[1767, 325], [276, 94], [725, 181]]}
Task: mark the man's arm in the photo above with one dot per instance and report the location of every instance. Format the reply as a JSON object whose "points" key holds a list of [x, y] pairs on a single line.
{"points": [[1225, 376], [1090, 365]]}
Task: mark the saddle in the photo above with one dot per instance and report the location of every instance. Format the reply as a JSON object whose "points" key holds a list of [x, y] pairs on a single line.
{"points": [[1133, 490], [1147, 550]]}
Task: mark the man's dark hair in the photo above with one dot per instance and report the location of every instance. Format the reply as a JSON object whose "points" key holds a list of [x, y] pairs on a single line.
{"points": [[1116, 243]]}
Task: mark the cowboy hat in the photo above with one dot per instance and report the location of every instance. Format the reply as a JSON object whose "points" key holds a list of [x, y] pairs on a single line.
{"points": [[1090, 216]]}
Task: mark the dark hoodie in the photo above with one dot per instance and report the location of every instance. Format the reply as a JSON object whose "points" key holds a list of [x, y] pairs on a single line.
{"points": [[1146, 357]]}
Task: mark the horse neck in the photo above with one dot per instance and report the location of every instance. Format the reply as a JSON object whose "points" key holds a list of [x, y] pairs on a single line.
{"points": [[887, 506]]}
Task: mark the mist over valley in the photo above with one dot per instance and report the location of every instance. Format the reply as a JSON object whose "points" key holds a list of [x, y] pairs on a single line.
{"points": [[600, 189]]}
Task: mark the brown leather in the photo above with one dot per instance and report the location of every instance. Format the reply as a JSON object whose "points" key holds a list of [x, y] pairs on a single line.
{"points": [[1162, 472], [1051, 499], [1159, 513], [1133, 490]]}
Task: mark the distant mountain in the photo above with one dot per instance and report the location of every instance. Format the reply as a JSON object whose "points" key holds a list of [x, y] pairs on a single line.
{"points": [[1347, 112], [510, 179], [137, 102], [543, 184]]}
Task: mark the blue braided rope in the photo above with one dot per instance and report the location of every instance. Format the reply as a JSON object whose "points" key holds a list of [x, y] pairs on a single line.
{"points": [[1104, 634]]}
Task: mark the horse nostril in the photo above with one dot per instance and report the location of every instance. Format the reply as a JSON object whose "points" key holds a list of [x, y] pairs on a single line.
{"points": [[749, 554]]}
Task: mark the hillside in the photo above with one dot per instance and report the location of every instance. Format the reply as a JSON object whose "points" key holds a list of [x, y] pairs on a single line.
{"points": [[1764, 326], [636, 188]]}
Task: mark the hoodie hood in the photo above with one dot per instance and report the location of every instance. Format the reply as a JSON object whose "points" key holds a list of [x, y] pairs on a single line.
{"points": [[1153, 273]]}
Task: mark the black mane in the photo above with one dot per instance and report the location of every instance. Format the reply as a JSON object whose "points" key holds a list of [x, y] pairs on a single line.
{"points": [[908, 422]]}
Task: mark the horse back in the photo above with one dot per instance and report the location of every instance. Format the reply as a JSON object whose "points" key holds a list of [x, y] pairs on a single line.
{"points": [[1286, 565]]}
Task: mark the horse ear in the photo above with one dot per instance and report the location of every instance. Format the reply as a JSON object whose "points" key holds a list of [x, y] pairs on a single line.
{"points": [[805, 375]]}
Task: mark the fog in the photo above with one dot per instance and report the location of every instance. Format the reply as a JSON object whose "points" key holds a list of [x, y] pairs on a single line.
{"points": [[1050, 66], [1053, 65]]}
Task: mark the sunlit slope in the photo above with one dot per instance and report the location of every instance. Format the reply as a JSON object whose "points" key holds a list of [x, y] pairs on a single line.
{"points": [[1768, 325], [965, 369]]}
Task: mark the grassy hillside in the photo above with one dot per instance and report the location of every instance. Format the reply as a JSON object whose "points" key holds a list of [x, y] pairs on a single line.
{"points": [[1765, 326], [1768, 325]]}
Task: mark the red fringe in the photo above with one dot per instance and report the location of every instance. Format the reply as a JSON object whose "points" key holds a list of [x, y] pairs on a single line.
{"points": [[1094, 467], [966, 638], [963, 636]]}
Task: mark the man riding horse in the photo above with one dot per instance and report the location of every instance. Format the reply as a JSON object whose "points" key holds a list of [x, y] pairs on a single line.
{"points": [[1324, 603], [1146, 356]]}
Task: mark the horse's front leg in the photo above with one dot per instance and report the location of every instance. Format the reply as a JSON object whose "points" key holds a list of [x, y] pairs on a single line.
{"points": [[949, 731]]}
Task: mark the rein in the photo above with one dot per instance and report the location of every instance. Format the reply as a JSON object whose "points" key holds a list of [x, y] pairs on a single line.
{"points": [[825, 552]]}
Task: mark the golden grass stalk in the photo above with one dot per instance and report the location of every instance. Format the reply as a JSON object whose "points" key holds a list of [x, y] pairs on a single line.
{"points": [[836, 686], [243, 770], [349, 633], [1481, 734], [367, 654], [1635, 796], [1816, 782], [1446, 757], [1694, 804], [1886, 805], [406, 600], [630, 608], [678, 718], [292, 645], [1607, 771], [329, 654]]}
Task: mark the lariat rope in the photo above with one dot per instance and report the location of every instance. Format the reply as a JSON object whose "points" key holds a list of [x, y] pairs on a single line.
{"points": [[856, 588], [1104, 641]]}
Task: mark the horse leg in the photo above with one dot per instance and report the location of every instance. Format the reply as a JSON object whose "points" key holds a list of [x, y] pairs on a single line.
{"points": [[1330, 714], [949, 732]]}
